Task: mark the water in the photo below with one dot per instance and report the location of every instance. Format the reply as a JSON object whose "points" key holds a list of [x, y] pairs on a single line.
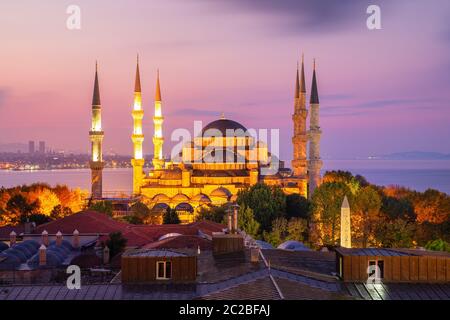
{"points": [[415, 174]]}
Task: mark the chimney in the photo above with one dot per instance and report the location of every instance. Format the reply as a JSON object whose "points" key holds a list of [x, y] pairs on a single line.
{"points": [[12, 238], [230, 224], [59, 238], [254, 254], [42, 256], [106, 255], [44, 238], [27, 227], [76, 239], [235, 219]]}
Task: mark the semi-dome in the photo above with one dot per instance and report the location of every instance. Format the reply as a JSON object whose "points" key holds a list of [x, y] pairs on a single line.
{"points": [[161, 198], [20, 255], [9, 261], [202, 198], [180, 198], [222, 125]]}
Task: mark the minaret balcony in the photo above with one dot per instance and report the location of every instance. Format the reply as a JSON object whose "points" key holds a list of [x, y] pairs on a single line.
{"points": [[96, 133]]}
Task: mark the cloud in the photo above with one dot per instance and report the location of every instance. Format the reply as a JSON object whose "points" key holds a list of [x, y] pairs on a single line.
{"points": [[307, 15]]}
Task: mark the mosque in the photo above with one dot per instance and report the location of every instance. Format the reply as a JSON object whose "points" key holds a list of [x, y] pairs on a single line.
{"points": [[216, 164]]}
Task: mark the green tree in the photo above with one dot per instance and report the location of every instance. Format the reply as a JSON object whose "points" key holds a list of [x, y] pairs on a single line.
{"points": [[396, 233], [103, 207], [171, 217], [297, 206], [212, 213], [116, 243], [267, 203], [297, 229], [398, 208], [278, 233], [247, 222], [438, 245], [326, 211], [345, 177]]}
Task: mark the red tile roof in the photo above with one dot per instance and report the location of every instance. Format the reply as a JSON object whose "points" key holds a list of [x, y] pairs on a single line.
{"points": [[181, 242], [137, 235], [6, 230]]}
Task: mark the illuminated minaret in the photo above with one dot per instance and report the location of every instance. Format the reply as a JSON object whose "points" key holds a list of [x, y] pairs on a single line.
{"points": [[315, 163], [96, 135], [158, 119], [299, 140], [137, 136]]}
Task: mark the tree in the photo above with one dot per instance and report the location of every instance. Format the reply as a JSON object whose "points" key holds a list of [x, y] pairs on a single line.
{"points": [[438, 245], [140, 213], [432, 206], [171, 217], [45, 198], [397, 233], [103, 207], [37, 218], [398, 208], [18, 206], [60, 212], [297, 229], [267, 203], [116, 243], [297, 206], [345, 177], [326, 211], [247, 222], [212, 213], [365, 215], [278, 233]]}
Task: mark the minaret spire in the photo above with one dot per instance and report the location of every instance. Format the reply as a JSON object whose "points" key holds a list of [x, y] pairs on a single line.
{"points": [[158, 119], [138, 136], [96, 137], [315, 163], [299, 139], [137, 82], [303, 82], [96, 96], [158, 88], [314, 92]]}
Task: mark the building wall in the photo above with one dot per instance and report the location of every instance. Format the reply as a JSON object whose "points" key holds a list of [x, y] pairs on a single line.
{"points": [[143, 269], [427, 269]]}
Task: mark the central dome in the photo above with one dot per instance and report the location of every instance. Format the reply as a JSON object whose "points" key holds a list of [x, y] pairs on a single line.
{"points": [[222, 125]]}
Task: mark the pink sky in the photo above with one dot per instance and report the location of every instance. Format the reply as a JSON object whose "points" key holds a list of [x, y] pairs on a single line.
{"points": [[381, 91]]}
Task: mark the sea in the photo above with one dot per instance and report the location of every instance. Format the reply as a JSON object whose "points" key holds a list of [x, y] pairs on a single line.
{"points": [[418, 175]]}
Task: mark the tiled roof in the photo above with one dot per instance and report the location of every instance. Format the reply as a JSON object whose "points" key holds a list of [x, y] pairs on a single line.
{"points": [[181, 242], [138, 235], [84, 222]]}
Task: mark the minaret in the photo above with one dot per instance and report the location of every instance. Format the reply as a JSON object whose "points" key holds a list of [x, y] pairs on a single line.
{"points": [[138, 136], [96, 136], [314, 164], [299, 140], [158, 119], [346, 235]]}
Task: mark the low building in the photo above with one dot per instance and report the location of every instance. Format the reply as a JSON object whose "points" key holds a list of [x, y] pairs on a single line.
{"points": [[392, 265], [149, 266]]}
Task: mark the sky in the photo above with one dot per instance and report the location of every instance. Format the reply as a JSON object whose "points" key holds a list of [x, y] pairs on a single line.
{"points": [[381, 91]]}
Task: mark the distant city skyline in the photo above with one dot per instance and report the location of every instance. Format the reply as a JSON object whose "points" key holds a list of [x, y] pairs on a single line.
{"points": [[382, 91]]}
